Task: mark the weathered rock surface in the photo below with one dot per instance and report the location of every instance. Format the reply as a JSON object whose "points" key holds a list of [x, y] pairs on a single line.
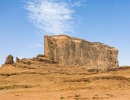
{"points": [[17, 60], [9, 60], [42, 58], [73, 51]]}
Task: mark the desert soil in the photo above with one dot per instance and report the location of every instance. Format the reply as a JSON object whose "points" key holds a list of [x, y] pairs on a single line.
{"points": [[39, 81]]}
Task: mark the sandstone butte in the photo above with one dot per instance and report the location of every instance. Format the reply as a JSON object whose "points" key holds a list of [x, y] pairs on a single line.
{"points": [[70, 69], [68, 50]]}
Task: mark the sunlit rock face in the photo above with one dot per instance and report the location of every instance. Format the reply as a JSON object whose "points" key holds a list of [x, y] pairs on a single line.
{"points": [[9, 59], [73, 51]]}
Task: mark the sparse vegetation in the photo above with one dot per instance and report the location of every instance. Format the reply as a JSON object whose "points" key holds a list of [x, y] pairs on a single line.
{"points": [[62, 98], [77, 95]]}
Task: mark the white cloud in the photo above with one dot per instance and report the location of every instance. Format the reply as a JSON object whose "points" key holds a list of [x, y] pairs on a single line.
{"points": [[53, 16]]}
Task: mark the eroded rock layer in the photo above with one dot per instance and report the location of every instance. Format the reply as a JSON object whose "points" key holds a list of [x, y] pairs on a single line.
{"points": [[73, 51]]}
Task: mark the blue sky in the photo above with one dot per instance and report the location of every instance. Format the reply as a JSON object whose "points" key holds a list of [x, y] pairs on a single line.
{"points": [[22, 29]]}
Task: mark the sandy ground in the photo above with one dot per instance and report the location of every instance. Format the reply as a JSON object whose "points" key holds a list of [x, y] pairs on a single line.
{"points": [[54, 82]]}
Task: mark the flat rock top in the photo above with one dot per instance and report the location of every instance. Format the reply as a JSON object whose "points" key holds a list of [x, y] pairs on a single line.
{"points": [[77, 40]]}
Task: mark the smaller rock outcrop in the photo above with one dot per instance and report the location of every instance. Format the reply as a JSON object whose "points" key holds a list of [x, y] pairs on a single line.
{"points": [[17, 60], [40, 55], [9, 60], [42, 58]]}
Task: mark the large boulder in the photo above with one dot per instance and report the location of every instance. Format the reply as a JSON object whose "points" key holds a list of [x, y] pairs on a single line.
{"points": [[9, 60]]}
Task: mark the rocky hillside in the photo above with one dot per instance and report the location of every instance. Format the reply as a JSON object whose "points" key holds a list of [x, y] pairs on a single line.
{"points": [[41, 79]]}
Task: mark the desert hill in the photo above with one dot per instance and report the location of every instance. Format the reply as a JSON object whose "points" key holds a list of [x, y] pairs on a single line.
{"points": [[42, 79]]}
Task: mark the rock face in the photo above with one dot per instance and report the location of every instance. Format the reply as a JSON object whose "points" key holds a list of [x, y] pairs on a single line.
{"points": [[73, 51], [9, 60]]}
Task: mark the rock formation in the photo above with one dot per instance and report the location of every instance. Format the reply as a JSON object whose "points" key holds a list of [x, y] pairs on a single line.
{"points": [[73, 51], [9, 60], [17, 60]]}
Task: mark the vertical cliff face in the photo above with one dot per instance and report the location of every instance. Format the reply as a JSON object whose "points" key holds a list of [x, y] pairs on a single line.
{"points": [[73, 51]]}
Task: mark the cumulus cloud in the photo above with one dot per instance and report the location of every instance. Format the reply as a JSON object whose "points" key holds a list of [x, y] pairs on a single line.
{"points": [[53, 16]]}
